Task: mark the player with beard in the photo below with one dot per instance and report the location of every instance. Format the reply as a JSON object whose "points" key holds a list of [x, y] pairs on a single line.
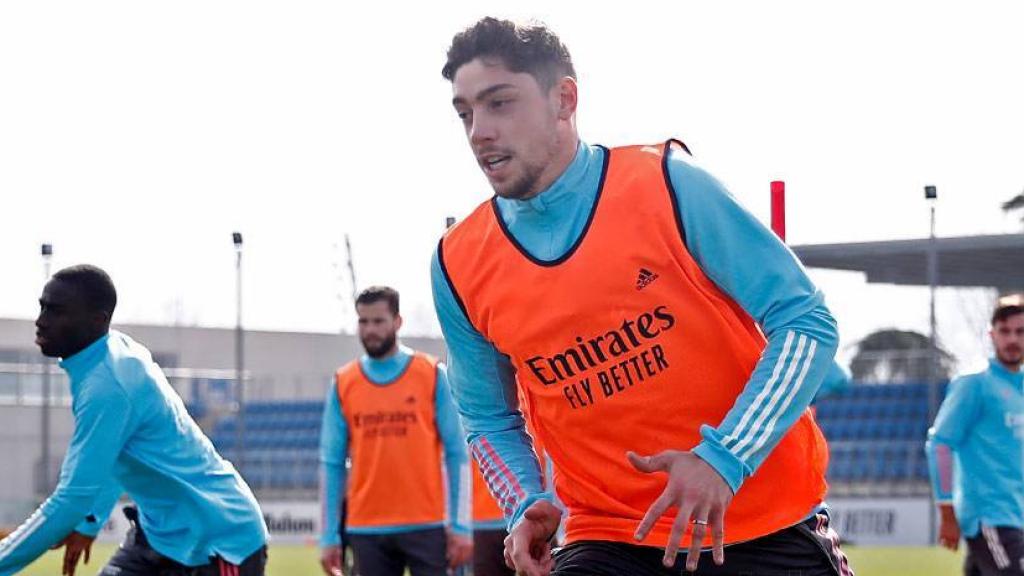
{"points": [[975, 456], [391, 413]]}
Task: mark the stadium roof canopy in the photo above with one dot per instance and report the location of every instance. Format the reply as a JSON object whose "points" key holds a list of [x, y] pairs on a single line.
{"points": [[995, 261]]}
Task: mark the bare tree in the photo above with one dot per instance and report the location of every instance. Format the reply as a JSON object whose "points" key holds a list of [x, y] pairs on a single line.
{"points": [[891, 356]]}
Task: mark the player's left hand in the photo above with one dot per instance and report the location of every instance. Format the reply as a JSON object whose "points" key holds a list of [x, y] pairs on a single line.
{"points": [[699, 493], [75, 546], [460, 549]]}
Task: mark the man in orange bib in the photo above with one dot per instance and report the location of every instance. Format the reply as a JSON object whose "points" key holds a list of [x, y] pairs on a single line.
{"points": [[664, 344], [391, 414]]}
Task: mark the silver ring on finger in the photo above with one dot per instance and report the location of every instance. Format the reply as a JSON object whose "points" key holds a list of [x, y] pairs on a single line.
{"points": [[700, 522]]}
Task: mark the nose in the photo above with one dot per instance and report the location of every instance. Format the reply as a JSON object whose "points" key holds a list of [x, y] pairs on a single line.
{"points": [[482, 130]]}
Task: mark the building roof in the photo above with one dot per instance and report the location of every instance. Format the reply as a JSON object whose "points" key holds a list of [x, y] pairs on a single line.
{"points": [[995, 261]]}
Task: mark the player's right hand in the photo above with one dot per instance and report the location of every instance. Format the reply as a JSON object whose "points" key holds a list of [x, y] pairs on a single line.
{"points": [[949, 528], [331, 561], [528, 545], [75, 546]]}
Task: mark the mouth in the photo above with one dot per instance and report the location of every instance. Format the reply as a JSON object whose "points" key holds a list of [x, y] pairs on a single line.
{"points": [[493, 163], [40, 339]]}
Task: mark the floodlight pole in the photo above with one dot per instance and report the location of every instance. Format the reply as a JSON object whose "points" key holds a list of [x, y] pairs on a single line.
{"points": [[46, 251], [931, 196], [236, 238]]}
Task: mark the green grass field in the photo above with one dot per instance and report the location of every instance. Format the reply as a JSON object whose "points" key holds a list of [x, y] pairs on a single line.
{"points": [[303, 561]]}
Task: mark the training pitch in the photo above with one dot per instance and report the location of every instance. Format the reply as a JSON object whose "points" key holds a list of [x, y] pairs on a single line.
{"points": [[304, 561]]}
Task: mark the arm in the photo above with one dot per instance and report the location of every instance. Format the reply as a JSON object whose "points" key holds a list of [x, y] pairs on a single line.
{"points": [[333, 476], [956, 417], [836, 381], [483, 387], [101, 510], [101, 430], [750, 264], [455, 458]]}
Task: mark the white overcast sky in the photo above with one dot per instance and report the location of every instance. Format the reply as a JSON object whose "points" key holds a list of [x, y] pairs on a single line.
{"points": [[139, 135]]}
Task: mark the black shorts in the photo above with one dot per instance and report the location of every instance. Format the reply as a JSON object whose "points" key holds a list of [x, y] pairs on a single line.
{"points": [[136, 558], [810, 548], [996, 550], [423, 551], [489, 553]]}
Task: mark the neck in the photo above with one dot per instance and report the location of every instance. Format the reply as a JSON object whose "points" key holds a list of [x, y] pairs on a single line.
{"points": [[1011, 366], [88, 341]]}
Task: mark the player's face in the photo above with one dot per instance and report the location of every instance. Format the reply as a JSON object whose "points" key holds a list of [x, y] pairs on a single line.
{"points": [[66, 324], [1008, 340], [378, 328], [512, 124]]}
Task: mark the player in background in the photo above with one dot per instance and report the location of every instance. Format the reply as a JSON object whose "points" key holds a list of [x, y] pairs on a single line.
{"points": [[975, 452], [195, 515], [390, 411]]}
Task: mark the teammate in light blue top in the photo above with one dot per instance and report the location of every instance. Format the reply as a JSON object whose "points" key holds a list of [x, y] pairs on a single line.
{"points": [[195, 514], [975, 452]]}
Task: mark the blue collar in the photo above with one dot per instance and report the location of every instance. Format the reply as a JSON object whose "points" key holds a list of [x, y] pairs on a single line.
{"points": [[563, 189], [80, 363], [997, 368], [386, 370]]}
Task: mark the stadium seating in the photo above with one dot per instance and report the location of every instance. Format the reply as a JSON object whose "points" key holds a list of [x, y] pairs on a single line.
{"points": [[282, 441], [876, 436]]}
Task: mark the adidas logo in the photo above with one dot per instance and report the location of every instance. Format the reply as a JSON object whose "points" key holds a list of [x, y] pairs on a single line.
{"points": [[645, 278]]}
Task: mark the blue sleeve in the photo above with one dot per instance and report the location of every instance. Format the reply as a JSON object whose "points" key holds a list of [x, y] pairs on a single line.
{"points": [[483, 386], [957, 415], [455, 459], [101, 429], [101, 510], [836, 381], [333, 474], [748, 262]]}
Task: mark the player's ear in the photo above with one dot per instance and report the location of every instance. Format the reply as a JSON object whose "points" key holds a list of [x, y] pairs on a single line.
{"points": [[568, 97]]}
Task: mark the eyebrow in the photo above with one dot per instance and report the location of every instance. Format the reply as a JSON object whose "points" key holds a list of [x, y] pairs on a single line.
{"points": [[483, 93]]}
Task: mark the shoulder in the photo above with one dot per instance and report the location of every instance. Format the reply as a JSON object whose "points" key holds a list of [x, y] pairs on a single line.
{"points": [[425, 357], [467, 231], [689, 177], [128, 361], [969, 384], [349, 368]]}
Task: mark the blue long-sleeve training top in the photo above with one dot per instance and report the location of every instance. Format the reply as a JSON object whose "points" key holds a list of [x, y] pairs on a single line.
{"points": [[976, 449], [132, 434], [334, 452], [742, 256]]}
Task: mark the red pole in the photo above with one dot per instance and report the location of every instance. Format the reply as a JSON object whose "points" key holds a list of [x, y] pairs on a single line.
{"points": [[779, 208]]}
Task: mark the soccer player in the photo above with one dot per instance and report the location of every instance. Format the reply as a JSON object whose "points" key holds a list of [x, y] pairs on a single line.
{"points": [[975, 451], [665, 343], [195, 515], [391, 412]]}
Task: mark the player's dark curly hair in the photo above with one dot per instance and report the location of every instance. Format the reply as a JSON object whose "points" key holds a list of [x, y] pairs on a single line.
{"points": [[1005, 311], [379, 294], [532, 48]]}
